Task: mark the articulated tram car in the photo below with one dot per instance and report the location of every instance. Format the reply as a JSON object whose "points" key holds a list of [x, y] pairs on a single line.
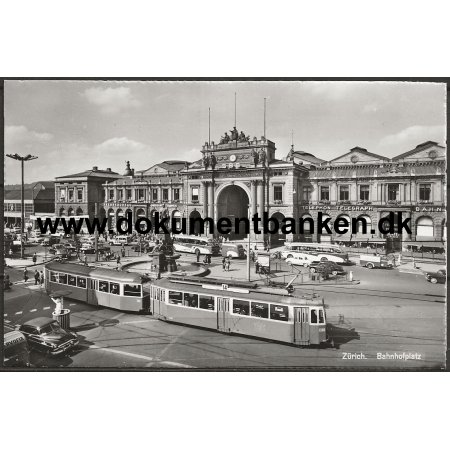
{"points": [[236, 309], [98, 287]]}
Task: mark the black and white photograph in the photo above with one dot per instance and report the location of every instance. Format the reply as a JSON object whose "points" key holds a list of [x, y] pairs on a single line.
{"points": [[264, 225]]}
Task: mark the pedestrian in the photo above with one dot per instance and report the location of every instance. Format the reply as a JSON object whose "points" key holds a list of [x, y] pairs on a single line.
{"points": [[209, 259], [85, 260], [41, 278], [37, 277], [228, 264], [123, 252], [118, 259], [205, 259], [197, 252], [10, 253], [34, 258], [224, 262], [257, 267], [25, 275]]}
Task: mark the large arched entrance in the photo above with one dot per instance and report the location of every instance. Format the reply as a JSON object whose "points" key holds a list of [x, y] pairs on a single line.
{"points": [[196, 229], [232, 202], [278, 238]]}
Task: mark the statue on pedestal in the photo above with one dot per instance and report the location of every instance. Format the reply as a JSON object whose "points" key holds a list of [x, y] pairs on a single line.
{"points": [[213, 160], [205, 161], [234, 134], [225, 139], [262, 157], [255, 157]]}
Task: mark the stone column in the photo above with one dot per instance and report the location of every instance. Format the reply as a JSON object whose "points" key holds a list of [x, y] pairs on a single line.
{"points": [[413, 191], [260, 197], [205, 197], [211, 200], [253, 200]]}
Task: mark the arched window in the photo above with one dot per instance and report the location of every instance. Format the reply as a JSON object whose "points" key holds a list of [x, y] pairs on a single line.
{"points": [[359, 225], [424, 227]]}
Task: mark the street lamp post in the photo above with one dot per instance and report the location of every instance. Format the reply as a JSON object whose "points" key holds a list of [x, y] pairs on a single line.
{"points": [[22, 160]]}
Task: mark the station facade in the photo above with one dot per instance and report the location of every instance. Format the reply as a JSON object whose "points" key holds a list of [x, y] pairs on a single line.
{"points": [[240, 176]]}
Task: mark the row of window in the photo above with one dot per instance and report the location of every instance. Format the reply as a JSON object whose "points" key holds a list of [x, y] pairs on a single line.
{"points": [[17, 207], [71, 194], [140, 194], [239, 307], [129, 290], [393, 192]]}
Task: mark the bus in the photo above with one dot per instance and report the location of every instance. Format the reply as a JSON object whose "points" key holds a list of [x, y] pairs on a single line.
{"points": [[110, 288], [325, 252], [195, 244], [231, 307]]}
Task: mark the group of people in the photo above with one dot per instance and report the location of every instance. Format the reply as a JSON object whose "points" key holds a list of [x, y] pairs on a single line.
{"points": [[38, 276], [226, 263]]}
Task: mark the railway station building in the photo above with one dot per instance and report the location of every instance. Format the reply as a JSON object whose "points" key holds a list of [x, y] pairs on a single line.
{"points": [[240, 176]]}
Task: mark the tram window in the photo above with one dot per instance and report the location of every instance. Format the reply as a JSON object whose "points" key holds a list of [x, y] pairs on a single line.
{"points": [[278, 312], [241, 307], [81, 282], [63, 278], [206, 302], [72, 280], [321, 316], [260, 310], [313, 316], [114, 288], [132, 290], [54, 277], [103, 286], [190, 300], [175, 297]]}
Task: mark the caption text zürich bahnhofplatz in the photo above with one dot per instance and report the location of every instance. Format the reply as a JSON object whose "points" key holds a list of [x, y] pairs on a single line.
{"points": [[224, 225]]}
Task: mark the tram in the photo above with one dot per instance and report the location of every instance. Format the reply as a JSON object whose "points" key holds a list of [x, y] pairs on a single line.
{"points": [[98, 286], [240, 309]]}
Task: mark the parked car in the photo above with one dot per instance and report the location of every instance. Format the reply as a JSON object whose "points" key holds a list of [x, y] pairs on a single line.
{"points": [[436, 277], [87, 248], [119, 240], [59, 250], [70, 247], [299, 260], [44, 334], [327, 266], [50, 240], [15, 348]]}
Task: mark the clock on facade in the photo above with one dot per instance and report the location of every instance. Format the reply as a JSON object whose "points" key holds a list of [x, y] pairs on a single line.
{"points": [[233, 158], [354, 159]]}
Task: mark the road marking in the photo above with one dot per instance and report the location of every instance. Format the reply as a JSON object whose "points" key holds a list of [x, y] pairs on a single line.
{"points": [[33, 310], [18, 312], [46, 307], [120, 352], [117, 316], [135, 355], [72, 304], [7, 321]]}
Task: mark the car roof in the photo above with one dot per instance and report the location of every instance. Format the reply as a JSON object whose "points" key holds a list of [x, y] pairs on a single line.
{"points": [[39, 322]]}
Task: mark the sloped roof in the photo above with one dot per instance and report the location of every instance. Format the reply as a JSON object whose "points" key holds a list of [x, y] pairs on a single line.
{"points": [[308, 157], [418, 148], [362, 151], [92, 173]]}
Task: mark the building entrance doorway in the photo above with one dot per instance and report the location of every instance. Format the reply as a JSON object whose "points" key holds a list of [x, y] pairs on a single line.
{"points": [[233, 203]]}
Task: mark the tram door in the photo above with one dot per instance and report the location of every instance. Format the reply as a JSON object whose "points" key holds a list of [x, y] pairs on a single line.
{"points": [[223, 307], [92, 291], [301, 326]]}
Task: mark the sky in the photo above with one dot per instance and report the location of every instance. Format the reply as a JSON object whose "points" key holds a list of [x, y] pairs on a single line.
{"points": [[72, 126]]}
